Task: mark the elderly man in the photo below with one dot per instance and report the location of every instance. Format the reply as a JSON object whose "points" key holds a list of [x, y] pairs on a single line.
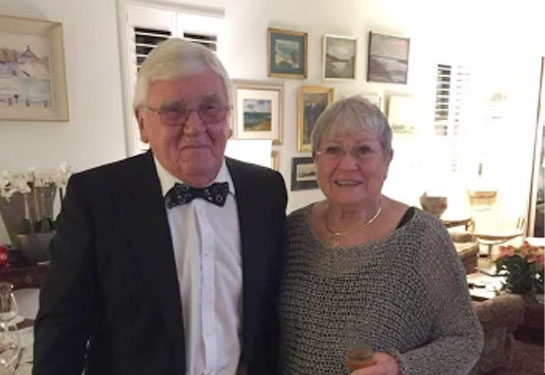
{"points": [[167, 262]]}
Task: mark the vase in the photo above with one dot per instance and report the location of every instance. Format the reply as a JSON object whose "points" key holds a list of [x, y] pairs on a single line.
{"points": [[40, 205], [35, 246], [434, 205]]}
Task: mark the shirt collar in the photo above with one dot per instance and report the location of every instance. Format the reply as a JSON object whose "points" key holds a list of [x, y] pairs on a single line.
{"points": [[167, 180]]}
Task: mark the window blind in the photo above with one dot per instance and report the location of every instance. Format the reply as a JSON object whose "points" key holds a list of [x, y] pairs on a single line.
{"points": [[451, 107], [146, 39], [145, 28]]}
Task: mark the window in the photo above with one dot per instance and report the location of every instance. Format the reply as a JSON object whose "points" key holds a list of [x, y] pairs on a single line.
{"points": [[452, 109], [144, 28]]}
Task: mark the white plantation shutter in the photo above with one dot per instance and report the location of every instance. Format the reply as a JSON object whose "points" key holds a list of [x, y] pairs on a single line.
{"points": [[452, 108], [146, 39], [145, 28]]}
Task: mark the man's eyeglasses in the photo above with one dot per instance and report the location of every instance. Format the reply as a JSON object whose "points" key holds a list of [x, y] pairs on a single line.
{"points": [[176, 115]]}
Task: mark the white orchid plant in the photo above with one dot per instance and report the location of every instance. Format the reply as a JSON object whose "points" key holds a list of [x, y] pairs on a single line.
{"points": [[28, 183]]}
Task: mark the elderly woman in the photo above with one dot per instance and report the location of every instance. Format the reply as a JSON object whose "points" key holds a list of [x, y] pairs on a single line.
{"points": [[361, 267]]}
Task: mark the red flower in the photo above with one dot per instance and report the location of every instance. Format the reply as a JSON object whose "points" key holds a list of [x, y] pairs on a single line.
{"points": [[506, 251]]}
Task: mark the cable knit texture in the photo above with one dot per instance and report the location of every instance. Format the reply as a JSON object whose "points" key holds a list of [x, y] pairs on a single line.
{"points": [[405, 294]]}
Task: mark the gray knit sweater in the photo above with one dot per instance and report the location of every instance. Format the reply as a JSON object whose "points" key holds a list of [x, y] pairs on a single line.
{"points": [[405, 294]]}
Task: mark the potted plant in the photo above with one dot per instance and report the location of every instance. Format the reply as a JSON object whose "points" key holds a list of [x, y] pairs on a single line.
{"points": [[522, 267], [26, 205]]}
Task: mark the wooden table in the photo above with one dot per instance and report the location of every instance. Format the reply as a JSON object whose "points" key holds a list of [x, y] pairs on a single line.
{"points": [[25, 276]]}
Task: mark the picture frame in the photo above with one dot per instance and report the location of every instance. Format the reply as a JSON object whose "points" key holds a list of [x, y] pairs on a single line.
{"points": [[303, 174], [388, 58], [287, 53], [311, 102], [257, 111], [275, 160], [402, 116], [33, 82], [375, 99], [339, 57]]}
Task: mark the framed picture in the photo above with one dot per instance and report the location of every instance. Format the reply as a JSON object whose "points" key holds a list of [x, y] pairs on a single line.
{"points": [[258, 111], [339, 57], [374, 98], [388, 58], [274, 160], [303, 174], [32, 75], [287, 53], [311, 102], [401, 115]]}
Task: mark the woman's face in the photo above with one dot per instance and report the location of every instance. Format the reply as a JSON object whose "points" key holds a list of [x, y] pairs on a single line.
{"points": [[352, 167]]}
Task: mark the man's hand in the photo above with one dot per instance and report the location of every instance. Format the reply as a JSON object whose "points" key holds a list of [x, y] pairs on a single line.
{"points": [[385, 364]]}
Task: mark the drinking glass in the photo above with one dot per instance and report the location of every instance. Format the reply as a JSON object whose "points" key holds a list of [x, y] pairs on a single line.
{"points": [[359, 352], [359, 356], [10, 343]]}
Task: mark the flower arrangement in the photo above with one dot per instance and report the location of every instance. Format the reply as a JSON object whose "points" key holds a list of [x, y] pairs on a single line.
{"points": [[26, 198], [523, 268]]}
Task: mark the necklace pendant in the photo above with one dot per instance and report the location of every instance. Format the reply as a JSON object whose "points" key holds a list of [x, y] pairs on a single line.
{"points": [[334, 241]]}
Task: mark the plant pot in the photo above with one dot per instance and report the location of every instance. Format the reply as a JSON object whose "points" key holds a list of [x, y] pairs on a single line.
{"points": [[12, 211], [35, 246]]}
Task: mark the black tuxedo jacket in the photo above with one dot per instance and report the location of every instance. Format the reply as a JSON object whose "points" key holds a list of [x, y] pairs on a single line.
{"points": [[111, 303]]}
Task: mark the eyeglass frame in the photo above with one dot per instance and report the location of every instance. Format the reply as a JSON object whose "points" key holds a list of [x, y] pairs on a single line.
{"points": [[189, 111], [342, 155]]}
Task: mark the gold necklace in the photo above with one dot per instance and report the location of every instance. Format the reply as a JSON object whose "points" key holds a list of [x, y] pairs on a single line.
{"points": [[335, 239]]}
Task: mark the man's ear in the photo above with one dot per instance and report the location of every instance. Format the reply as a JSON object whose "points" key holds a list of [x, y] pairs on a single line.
{"points": [[141, 125]]}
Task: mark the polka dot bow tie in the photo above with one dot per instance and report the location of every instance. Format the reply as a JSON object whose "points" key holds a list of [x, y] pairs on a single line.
{"points": [[182, 194]]}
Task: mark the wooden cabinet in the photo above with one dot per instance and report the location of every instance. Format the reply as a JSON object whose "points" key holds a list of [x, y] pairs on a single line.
{"points": [[25, 276]]}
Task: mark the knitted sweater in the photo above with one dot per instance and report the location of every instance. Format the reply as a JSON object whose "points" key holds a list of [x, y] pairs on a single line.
{"points": [[405, 294]]}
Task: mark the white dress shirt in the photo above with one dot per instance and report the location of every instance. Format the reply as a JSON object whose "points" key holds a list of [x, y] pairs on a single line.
{"points": [[207, 250]]}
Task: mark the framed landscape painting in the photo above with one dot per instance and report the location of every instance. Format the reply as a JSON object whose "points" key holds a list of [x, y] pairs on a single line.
{"points": [[258, 111], [388, 58], [32, 74], [303, 174], [402, 116], [375, 99], [287, 52], [311, 102], [339, 57]]}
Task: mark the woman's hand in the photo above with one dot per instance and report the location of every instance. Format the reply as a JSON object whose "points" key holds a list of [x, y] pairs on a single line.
{"points": [[385, 364]]}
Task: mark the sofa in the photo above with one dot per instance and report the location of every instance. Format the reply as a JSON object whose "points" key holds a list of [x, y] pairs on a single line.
{"points": [[499, 317]]}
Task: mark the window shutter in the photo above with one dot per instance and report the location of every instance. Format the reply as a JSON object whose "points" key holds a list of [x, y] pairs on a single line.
{"points": [[209, 41], [145, 28], [146, 40], [451, 107]]}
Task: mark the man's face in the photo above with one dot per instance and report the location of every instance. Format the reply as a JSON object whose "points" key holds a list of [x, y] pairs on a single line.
{"points": [[191, 150]]}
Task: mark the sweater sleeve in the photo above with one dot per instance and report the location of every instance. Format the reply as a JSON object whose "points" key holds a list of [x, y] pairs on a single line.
{"points": [[456, 339]]}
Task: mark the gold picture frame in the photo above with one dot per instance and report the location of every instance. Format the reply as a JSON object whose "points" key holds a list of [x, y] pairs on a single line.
{"points": [[311, 102], [287, 53], [275, 160], [33, 79]]}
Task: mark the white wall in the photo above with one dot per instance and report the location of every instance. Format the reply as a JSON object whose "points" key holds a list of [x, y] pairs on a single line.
{"points": [[499, 39], [94, 134]]}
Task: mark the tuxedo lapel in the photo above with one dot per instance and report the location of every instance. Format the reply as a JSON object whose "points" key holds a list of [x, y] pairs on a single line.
{"points": [[142, 210], [253, 263]]}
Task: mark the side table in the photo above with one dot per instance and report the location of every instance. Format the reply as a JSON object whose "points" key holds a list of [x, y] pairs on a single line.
{"points": [[494, 239]]}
